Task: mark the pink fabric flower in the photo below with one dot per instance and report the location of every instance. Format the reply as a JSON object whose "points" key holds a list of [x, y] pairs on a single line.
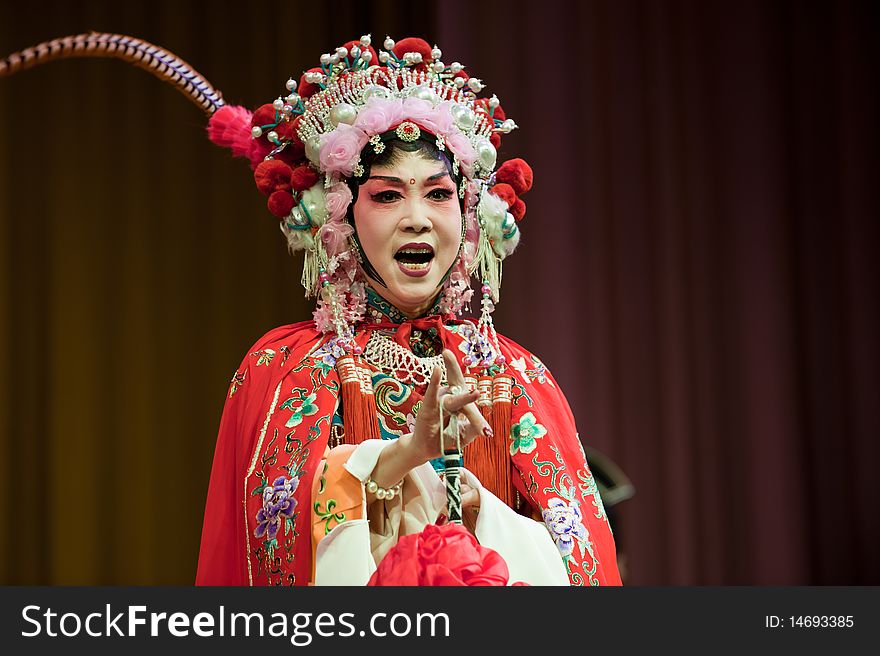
{"points": [[459, 144], [341, 148], [417, 110], [335, 234], [337, 201], [379, 115], [439, 121]]}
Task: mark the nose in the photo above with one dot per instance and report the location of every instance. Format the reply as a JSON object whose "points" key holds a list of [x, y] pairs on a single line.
{"points": [[416, 218]]}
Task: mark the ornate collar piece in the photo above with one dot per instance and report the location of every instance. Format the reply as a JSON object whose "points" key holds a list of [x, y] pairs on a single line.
{"points": [[381, 311]]}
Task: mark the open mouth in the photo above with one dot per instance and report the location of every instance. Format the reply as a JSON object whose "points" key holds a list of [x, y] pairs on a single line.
{"points": [[415, 257]]}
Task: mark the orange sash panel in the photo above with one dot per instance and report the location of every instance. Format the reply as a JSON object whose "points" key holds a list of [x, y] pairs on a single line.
{"points": [[337, 496]]}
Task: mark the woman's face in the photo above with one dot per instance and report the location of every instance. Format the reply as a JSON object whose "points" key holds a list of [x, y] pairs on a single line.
{"points": [[408, 221]]}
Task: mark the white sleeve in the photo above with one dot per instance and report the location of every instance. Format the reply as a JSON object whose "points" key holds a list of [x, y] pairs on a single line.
{"points": [[525, 544], [349, 553]]}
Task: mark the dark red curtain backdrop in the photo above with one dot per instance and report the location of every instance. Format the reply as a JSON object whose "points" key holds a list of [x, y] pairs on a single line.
{"points": [[697, 269]]}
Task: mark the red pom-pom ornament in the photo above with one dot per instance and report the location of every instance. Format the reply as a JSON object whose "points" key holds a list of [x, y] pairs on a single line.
{"points": [[412, 44], [505, 192], [307, 89], [373, 59], [272, 176], [518, 209], [280, 203], [303, 177], [286, 131], [517, 174], [265, 115]]}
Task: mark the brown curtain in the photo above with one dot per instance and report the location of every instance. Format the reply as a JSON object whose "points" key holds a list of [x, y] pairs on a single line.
{"points": [[697, 270]]}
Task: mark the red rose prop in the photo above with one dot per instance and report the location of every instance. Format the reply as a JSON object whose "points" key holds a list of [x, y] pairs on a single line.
{"points": [[441, 555]]}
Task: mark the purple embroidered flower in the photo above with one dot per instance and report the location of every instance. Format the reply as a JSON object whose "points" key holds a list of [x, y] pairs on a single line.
{"points": [[278, 503], [564, 523]]}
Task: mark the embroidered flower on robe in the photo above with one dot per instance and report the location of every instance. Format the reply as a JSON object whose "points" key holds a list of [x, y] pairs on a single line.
{"points": [[564, 522], [524, 433], [237, 381], [264, 357], [520, 365], [278, 503], [307, 408], [532, 375]]}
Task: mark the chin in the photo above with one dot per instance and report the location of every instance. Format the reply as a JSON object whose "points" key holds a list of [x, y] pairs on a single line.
{"points": [[415, 286], [413, 295]]}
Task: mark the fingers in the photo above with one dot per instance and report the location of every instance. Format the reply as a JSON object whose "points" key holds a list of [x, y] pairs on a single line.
{"points": [[469, 496], [453, 403], [453, 371], [470, 410], [432, 393]]}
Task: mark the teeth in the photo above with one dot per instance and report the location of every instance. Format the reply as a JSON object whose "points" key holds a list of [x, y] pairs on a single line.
{"points": [[414, 250], [415, 267]]}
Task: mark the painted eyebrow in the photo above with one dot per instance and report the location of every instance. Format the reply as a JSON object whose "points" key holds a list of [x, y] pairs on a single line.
{"points": [[389, 178]]}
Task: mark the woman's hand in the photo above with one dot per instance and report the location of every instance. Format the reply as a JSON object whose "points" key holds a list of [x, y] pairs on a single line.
{"points": [[426, 434], [410, 451], [470, 508]]}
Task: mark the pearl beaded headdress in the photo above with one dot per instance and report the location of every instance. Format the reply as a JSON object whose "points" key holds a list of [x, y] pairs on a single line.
{"points": [[304, 147], [306, 143]]}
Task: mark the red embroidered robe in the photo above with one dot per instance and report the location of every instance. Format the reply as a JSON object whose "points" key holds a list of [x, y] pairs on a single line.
{"points": [[275, 429]]}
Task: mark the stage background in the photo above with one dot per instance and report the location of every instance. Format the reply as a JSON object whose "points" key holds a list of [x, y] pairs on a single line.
{"points": [[698, 269]]}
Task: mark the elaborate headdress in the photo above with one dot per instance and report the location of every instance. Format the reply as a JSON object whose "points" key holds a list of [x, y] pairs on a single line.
{"points": [[307, 145]]}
